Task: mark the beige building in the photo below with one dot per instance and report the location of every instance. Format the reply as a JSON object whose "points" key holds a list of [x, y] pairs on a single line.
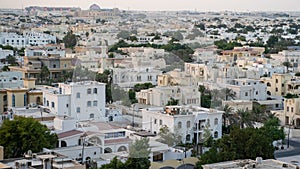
{"points": [[175, 77], [160, 95], [248, 163], [291, 113], [197, 71], [20, 97], [276, 85], [32, 66]]}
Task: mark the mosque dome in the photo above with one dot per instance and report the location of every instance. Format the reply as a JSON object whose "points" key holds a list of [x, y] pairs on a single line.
{"points": [[95, 7]]}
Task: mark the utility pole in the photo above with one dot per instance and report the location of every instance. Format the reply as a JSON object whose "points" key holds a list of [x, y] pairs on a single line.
{"points": [[133, 115]]}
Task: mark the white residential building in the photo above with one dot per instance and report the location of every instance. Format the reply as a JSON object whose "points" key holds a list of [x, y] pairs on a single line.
{"points": [[249, 89], [80, 100], [45, 50], [27, 39], [188, 122], [11, 79], [160, 95], [4, 53]]}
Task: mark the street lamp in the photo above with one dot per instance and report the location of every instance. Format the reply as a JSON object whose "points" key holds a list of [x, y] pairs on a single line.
{"points": [[288, 141], [41, 110], [83, 142], [133, 106]]}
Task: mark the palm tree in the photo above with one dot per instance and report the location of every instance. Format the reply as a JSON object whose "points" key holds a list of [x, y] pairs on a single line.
{"points": [[227, 114], [228, 93], [245, 118], [259, 113]]}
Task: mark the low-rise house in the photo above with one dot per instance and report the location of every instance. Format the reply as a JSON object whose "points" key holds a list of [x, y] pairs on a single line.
{"points": [[161, 95], [81, 100], [248, 89], [188, 122]]}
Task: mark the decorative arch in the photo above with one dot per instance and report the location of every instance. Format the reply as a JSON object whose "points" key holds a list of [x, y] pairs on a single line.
{"points": [[122, 148], [107, 150], [63, 143], [95, 140]]}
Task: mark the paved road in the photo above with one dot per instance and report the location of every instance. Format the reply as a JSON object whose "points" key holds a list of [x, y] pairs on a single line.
{"points": [[292, 151]]}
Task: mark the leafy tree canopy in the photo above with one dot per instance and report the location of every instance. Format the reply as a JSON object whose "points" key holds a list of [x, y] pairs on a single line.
{"points": [[23, 134], [70, 40], [247, 143]]}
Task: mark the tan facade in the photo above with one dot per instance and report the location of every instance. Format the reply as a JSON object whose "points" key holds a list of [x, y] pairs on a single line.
{"points": [[32, 66], [291, 113], [3, 101], [16, 97], [276, 85], [29, 83]]}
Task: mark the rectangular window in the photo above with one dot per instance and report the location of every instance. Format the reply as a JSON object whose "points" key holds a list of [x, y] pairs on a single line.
{"points": [[89, 91], [160, 122], [95, 103], [246, 93], [155, 121], [78, 109], [287, 109], [52, 104], [78, 95], [292, 109], [89, 104]]}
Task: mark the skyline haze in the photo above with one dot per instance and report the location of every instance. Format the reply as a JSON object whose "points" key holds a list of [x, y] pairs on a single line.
{"points": [[164, 5]]}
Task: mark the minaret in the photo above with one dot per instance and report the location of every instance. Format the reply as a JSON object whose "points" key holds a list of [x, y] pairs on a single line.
{"points": [[103, 55]]}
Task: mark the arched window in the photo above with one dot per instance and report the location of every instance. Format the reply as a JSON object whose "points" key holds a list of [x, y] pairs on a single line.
{"points": [[107, 150], [38, 100], [63, 143], [13, 100], [95, 90], [188, 137], [5, 98], [179, 125], [25, 99], [216, 121], [215, 134], [188, 124], [122, 148], [92, 115]]}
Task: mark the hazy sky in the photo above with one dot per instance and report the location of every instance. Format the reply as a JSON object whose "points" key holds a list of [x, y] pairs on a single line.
{"points": [[199, 5]]}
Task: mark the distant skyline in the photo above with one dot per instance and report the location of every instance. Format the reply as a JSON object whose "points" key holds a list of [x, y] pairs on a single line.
{"points": [[159, 5]]}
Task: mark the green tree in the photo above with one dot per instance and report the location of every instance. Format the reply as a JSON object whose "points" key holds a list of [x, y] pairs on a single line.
{"points": [[287, 65], [167, 137], [207, 136], [139, 152], [44, 74], [245, 118], [5, 68], [172, 101], [123, 34], [11, 60], [23, 134], [247, 143], [70, 40], [227, 114], [115, 163], [132, 96], [259, 113]]}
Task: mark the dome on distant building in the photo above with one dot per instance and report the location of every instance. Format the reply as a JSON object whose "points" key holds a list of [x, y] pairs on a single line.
{"points": [[95, 7]]}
